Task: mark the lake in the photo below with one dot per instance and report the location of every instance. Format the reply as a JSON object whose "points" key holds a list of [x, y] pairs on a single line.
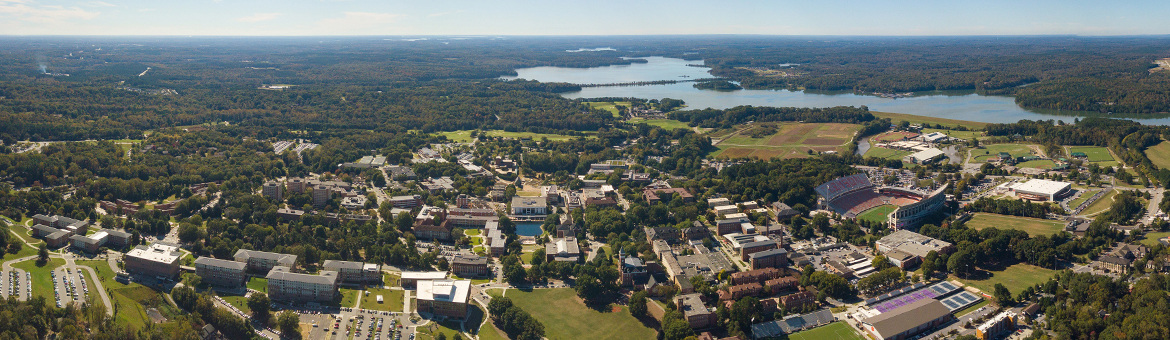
{"points": [[962, 105]]}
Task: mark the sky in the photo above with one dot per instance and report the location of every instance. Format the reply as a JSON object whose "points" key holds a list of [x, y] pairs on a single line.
{"points": [[603, 17]]}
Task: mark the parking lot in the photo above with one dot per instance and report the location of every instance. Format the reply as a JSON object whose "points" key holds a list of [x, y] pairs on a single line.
{"points": [[69, 286], [16, 283]]}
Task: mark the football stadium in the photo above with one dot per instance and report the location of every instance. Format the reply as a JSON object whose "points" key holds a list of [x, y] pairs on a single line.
{"points": [[855, 195]]}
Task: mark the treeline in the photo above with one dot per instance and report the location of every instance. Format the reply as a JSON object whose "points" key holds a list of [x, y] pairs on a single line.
{"points": [[720, 85], [1013, 207], [224, 321], [790, 180], [514, 321], [712, 118]]}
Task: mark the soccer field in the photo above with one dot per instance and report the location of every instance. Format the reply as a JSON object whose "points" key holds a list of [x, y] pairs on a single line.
{"points": [[834, 331]]}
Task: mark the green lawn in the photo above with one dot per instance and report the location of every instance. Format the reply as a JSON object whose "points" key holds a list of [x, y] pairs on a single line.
{"points": [[1033, 226], [1015, 278], [259, 284], [389, 280], [471, 232], [237, 301], [1085, 194], [1097, 154], [992, 150], [669, 124], [25, 250], [349, 297], [42, 280], [1038, 164], [392, 299], [129, 299], [1160, 154], [464, 136], [878, 214], [834, 331], [1101, 204], [432, 330], [489, 332], [23, 233], [566, 318], [913, 119], [1151, 239], [473, 281]]}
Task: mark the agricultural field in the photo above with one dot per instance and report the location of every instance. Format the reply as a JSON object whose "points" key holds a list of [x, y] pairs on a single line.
{"points": [[565, 317], [1033, 226], [834, 331], [878, 214], [789, 141], [913, 119], [1097, 154], [1038, 164], [894, 136], [1015, 278], [990, 151], [1160, 154]]}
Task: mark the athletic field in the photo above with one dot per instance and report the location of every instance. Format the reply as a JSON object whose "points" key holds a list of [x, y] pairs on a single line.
{"points": [[833, 331]]}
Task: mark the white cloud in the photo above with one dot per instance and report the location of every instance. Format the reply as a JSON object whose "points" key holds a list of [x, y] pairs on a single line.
{"points": [[101, 4], [359, 23], [258, 17], [23, 11]]}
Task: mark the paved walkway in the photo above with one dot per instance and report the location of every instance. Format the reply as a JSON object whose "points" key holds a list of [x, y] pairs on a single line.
{"points": [[97, 283]]}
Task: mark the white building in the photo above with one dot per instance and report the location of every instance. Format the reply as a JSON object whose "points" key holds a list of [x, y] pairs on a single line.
{"points": [[924, 156], [1041, 189]]}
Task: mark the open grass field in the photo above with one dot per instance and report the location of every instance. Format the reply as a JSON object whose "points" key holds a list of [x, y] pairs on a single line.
{"points": [[966, 135], [913, 119], [1151, 239], [258, 284], [792, 140], [886, 153], [1033, 226], [878, 214], [992, 150], [1015, 278], [1038, 164], [129, 300], [1097, 154], [1160, 154], [565, 317], [392, 300], [834, 331], [894, 136], [1101, 204], [349, 297], [669, 124], [464, 136], [42, 280], [238, 301], [608, 106]]}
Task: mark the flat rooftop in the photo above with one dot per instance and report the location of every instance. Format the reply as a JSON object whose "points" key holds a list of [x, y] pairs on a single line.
{"points": [[455, 291], [156, 253], [1041, 186]]}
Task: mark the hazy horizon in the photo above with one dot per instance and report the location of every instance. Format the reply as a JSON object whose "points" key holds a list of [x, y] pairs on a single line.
{"points": [[597, 18]]}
